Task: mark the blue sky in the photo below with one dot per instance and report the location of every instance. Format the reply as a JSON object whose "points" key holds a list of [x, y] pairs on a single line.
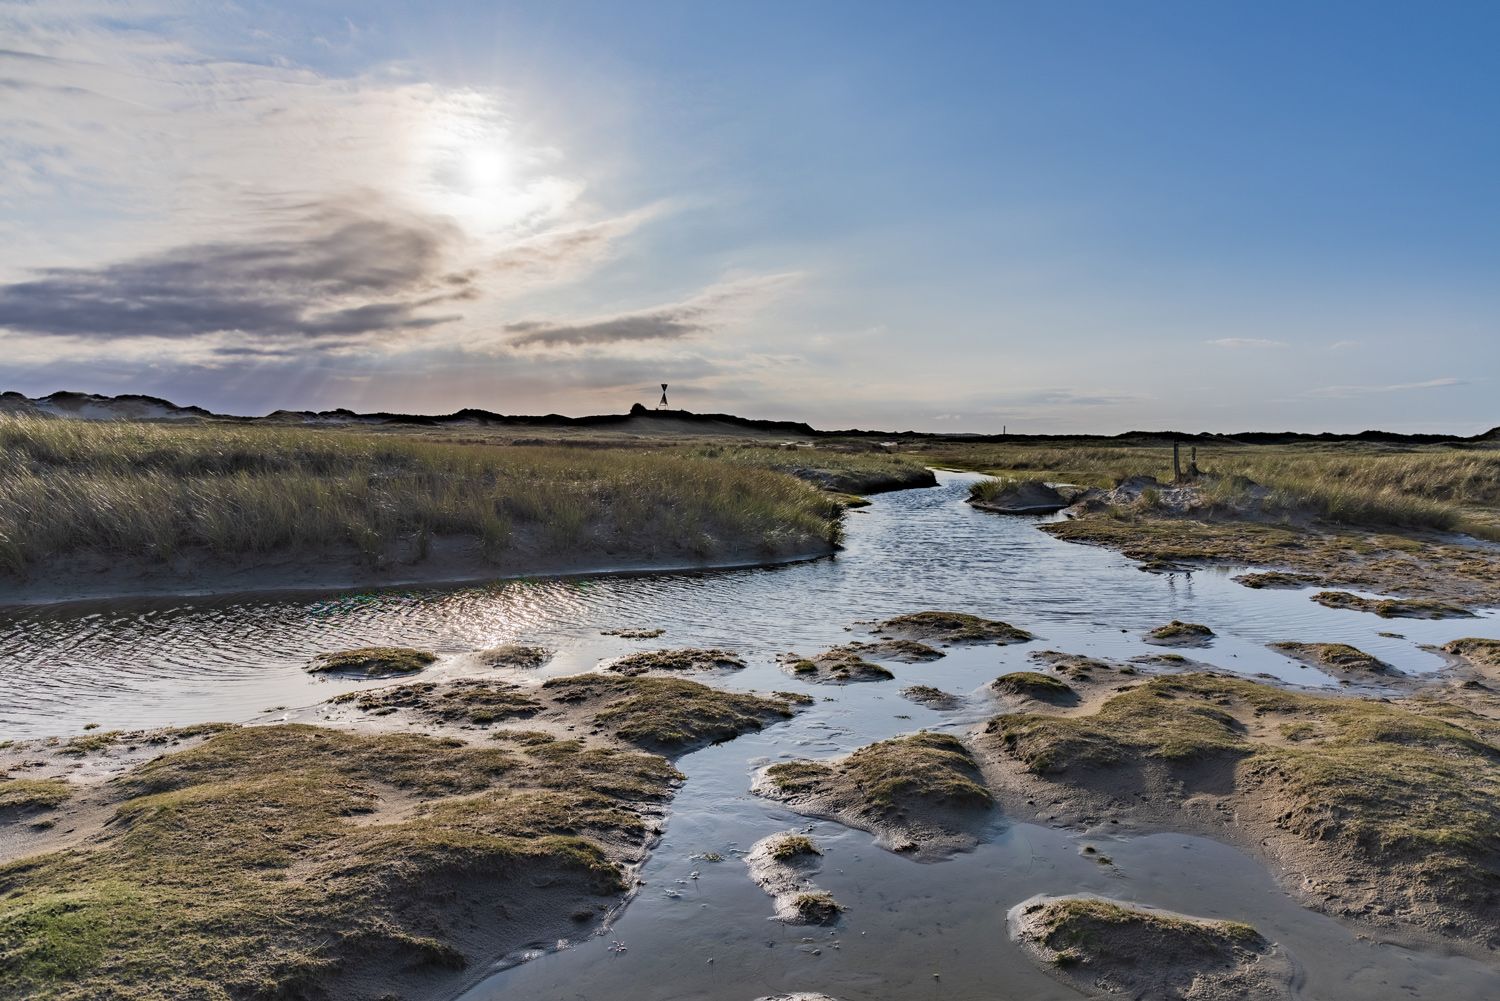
{"points": [[1048, 216]]}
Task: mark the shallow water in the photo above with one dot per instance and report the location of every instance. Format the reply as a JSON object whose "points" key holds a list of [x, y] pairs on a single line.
{"points": [[153, 662], [126, 664]]}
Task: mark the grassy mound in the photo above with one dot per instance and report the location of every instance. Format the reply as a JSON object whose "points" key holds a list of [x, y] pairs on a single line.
{"points": [[26, 795], [932, 698], [838, 666], [1183, 633], [790, 846], [1034, 685], [373, 661], [1088, 929], [1337, 657], [1411, 787], [687, 659], [671, 714], [1127, 950], [922, 768], [515, 655], [478, 701], [905, 651], [241, 867], [952, 627], [1275, 579]]}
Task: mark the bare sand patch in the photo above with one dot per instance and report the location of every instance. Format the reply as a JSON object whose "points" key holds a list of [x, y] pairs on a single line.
{"points": [[783, 865]]}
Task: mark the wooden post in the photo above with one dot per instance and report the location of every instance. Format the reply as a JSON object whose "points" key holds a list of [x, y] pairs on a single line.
{"points": [[1176, 462]]}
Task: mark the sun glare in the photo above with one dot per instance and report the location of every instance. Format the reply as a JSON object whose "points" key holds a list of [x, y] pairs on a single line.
{"points": [[480, 175]]}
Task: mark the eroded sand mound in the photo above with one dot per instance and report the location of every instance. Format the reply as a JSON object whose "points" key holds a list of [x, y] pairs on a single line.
{"points": [[1339, 659], [1098, 944], [838, 666], [921, 794], [1017, 497], [783, 865]]}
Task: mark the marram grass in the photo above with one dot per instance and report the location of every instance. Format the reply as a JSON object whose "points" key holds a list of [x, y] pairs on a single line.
{"points": [[150, 491]]}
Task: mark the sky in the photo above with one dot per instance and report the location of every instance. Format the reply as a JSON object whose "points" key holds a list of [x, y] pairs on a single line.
{"points": [[1046, 217]]}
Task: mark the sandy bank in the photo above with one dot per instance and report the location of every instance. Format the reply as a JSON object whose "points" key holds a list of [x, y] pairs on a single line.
{"points": [[1383, 811], [1098, 945], [347, 860]]}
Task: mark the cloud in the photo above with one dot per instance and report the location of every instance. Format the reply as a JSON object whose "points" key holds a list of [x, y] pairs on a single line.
{"points": [[1400, 387], [708, 310], [1343, 345], [1239, 343], [334, 273]]}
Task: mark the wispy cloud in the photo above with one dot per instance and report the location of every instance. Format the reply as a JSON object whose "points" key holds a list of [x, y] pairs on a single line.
{"points": [[1242, 343], [1343, 345], [1400, 387], [710, 309]]}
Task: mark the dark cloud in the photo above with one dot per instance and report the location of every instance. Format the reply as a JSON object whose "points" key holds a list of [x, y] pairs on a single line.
{"points": [[673, 321], [666, 324], [335, 274]]}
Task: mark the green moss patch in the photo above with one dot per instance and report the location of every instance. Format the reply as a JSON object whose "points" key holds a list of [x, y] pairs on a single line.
{"points": [[373, 661]]}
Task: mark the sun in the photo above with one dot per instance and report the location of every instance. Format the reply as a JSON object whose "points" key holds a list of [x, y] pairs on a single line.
{"points": [[480, 174], [486, 169]]}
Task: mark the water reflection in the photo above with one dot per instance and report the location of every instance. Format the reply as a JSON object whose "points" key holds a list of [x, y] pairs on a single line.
{"points": [[171, 661]]}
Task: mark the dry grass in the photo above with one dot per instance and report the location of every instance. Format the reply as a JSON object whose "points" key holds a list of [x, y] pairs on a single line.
{"points": [[146, 490], [847, 468], [1402, 486]]}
